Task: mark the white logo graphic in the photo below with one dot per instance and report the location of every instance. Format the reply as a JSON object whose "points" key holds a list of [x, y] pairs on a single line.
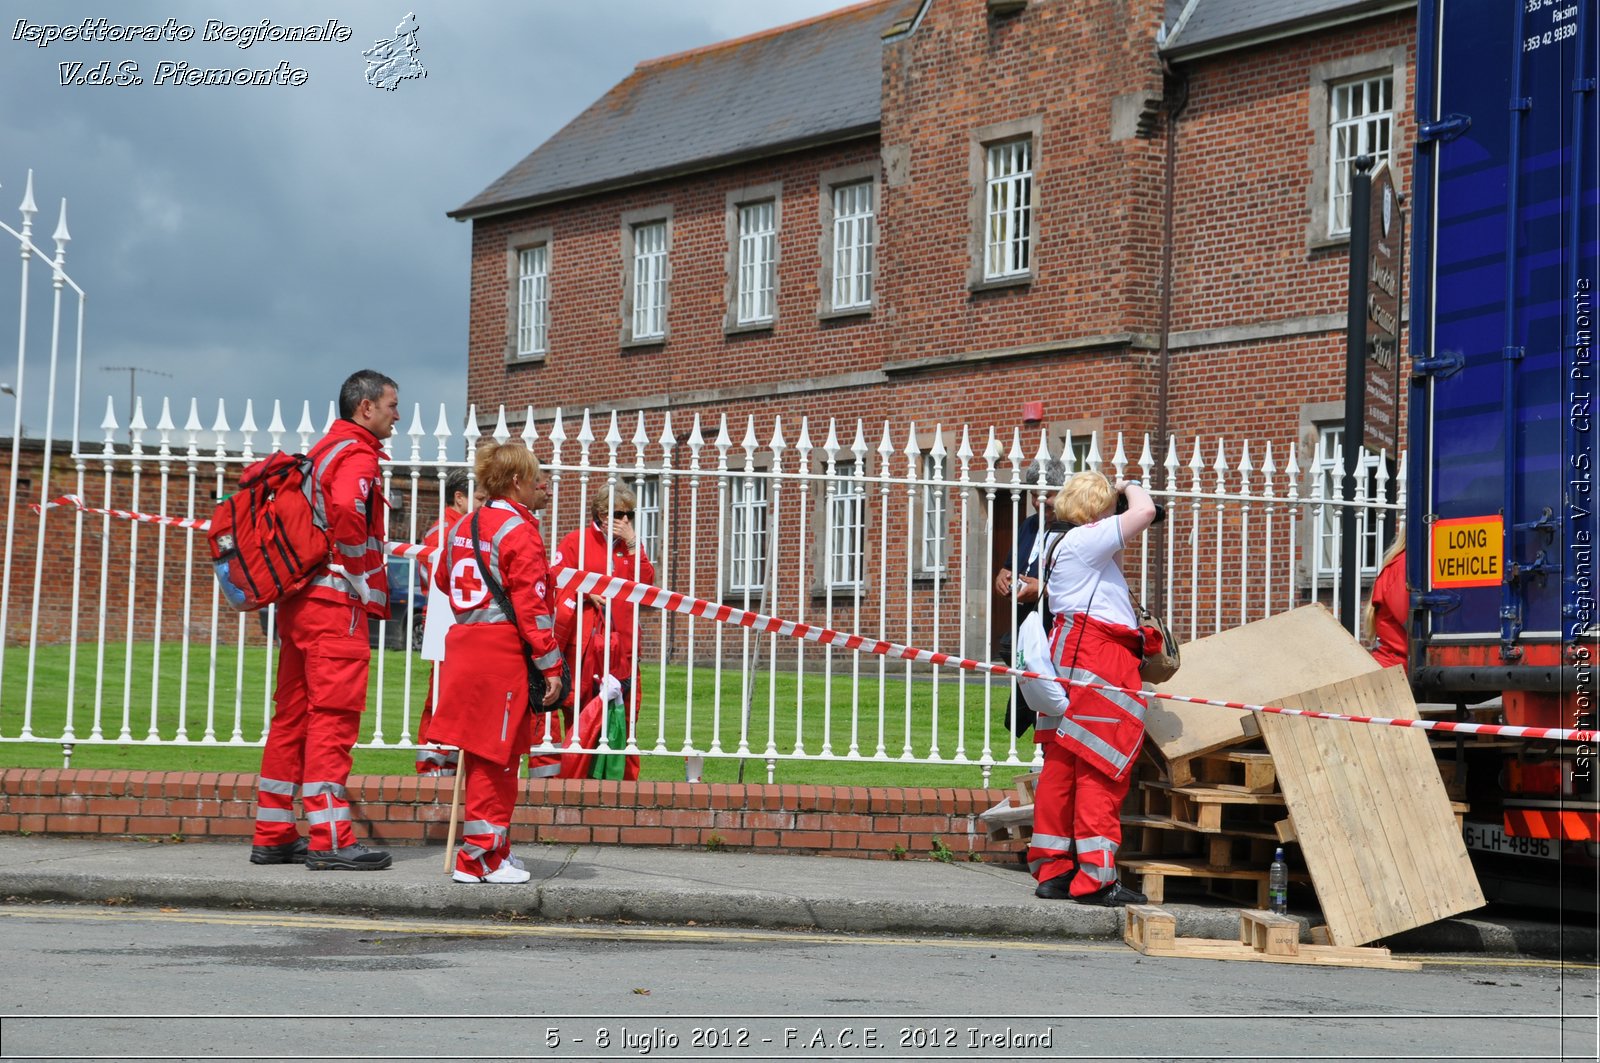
{"points": [[467, 587], [393, 61], [1388, 208], [539, 589]]}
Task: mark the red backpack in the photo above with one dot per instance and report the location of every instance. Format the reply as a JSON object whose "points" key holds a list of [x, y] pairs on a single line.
{"points": [[269, 538]]}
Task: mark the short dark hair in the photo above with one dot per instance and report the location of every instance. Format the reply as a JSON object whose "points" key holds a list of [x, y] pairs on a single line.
{"points": [[359, 386], [456, 484]]}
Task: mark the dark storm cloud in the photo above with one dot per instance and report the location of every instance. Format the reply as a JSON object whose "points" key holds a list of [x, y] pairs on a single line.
{"points": [[262, 241]]}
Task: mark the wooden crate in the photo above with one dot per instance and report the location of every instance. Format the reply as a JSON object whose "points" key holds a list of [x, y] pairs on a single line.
{"points": [[1203, 808], [1243, 770]]}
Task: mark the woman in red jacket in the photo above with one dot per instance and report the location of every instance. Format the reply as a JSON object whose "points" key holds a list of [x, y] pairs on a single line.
{"points": [[483, 692], [1388, 612]]}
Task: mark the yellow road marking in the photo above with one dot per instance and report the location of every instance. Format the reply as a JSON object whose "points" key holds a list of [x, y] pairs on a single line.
{"points": [[615, 932]]}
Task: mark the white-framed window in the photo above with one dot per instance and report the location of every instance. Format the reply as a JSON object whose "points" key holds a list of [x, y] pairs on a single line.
{"points": [[758, 246], [1008, 208], [647, 515], [533, 300], [935, 516], [854, 245], [1326, 524], [650, 280], [847, 513], [1360, 122], [747, 535]]}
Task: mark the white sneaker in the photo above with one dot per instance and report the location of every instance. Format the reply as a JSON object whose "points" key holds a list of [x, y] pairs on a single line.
{"points": [[504, 874], [515, 861]]}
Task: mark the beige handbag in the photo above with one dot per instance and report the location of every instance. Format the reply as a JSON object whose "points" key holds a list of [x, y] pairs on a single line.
{"points": [[1162, 665]]}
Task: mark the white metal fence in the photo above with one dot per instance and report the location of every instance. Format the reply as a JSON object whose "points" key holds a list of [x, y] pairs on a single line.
{"points": [[115, 632]]}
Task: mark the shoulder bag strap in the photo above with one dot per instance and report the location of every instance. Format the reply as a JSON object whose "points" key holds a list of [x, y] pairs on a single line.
{"points": [[503, 600]]}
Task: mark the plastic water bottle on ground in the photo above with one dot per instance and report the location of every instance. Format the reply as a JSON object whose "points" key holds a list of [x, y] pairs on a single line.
{"points": [[1278, 883]]}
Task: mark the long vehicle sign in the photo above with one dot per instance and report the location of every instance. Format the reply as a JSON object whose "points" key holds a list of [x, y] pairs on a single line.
{"points": [[1467, 552]]}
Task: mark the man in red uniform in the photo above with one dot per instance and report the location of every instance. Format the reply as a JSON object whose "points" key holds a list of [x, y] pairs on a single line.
{"points": [[433, 759], [322, 667], [484, 696]]}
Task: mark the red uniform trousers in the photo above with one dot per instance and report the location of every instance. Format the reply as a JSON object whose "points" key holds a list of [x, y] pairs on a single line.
{"points": [[321, 692], [1077, 804], [489, 797], [1076, 807]]}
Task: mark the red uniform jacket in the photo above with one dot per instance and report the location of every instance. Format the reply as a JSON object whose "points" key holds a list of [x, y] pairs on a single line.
{"points": [[483, 688], [622, 565], [1391, 611], [347, 488]]}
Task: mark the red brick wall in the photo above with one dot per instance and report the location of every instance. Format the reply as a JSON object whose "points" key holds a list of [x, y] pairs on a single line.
{"points": [[405, 810]]}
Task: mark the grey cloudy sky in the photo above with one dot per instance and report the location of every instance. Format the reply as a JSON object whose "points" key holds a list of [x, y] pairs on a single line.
{"points": [[263, 241]]}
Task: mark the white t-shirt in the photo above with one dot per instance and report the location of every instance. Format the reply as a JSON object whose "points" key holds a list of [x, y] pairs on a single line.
{"points": [[1085, 564]]}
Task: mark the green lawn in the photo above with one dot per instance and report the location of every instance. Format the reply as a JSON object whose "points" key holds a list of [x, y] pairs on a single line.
{"points": [[240, 688]]}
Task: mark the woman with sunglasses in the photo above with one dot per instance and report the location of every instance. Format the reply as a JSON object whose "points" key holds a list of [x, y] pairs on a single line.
{"points": [[608, 544]]}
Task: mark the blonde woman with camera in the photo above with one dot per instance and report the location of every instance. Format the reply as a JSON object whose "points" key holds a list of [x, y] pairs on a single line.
{"points": [[1089, 750]]}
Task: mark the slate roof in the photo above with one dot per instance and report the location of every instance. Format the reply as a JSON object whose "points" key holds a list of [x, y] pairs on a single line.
{"points": [[806, 83], [1207, 26]]}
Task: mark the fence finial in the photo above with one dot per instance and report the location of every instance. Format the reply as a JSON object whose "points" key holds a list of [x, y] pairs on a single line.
{"points": [[557, 436], [333, 417], [1069, 455], [501, 431], [803, 442], [1016, 455], [165, 426], [667, 440], [831, 447], [28, 207], [613, 437], [275, 427], [530, 430], [220, 426], [937, 450], [885, 451], [748, 444], [1094, 459], [137, 427], [193, 425], [1147, 460], [441, 432], [911, 450], [62, 237], [723, 440], [109, 423], [696, 439], [778, 445], [1119, 458], [859, 448], [641, 439], [472, 431], [416, 433]]}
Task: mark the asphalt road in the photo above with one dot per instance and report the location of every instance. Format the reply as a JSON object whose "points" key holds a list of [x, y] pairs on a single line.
{"points": [[86, 982]]}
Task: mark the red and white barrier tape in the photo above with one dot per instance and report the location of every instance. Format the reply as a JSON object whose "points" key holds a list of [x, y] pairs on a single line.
{"points": [[665, 600]]}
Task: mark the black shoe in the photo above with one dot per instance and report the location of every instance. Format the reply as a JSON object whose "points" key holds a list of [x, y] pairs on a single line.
{"points": [[1113, 896], [351, 858], [1056, 889], [288, 853]]}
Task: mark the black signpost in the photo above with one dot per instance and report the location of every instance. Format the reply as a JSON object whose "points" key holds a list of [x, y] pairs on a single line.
{"points": [[1372, 354]]}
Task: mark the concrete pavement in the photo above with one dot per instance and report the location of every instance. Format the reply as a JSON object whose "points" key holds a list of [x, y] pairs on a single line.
{"points": [[669, 886]]}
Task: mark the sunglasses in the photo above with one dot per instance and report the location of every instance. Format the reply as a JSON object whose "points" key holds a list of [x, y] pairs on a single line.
{"points": [[622, 514]]}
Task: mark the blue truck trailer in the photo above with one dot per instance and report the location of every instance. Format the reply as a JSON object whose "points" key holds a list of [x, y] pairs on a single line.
{"points": [[1501, 528]]}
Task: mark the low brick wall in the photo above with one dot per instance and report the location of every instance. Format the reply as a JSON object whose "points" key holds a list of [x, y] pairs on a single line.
{"points": [[851, 821]]}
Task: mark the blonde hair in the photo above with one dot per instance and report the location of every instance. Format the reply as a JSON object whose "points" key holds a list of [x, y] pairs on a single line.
{"points": [[606, 497], [499, 466], [1369, 615], [1087, 497]]}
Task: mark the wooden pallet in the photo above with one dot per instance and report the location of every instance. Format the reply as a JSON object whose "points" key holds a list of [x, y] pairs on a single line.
{"points": [[1201, 807], [1264, 937], [1153, 875], [1247, 771]]}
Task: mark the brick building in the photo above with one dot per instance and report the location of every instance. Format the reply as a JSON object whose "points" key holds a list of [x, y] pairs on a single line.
{"points": [[1132, 213]]}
